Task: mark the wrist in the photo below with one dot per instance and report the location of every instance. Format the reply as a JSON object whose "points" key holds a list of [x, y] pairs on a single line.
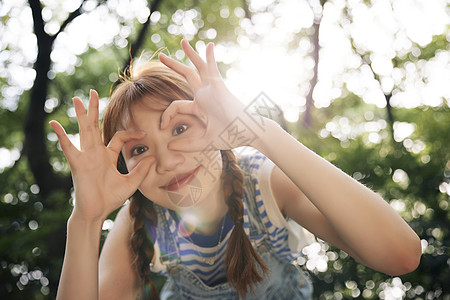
{"points": [[266, 135], [79, 221]]}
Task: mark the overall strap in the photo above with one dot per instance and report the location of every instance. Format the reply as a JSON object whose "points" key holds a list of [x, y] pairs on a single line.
{"points": [[253, 223], [170, 252]]}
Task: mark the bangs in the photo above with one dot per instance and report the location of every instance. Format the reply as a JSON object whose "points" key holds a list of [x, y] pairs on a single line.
{"points": [[153, 85], [126, 119]]}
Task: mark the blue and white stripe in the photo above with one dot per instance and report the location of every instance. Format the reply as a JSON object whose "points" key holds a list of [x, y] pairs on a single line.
{"points": [[278, 236], [191, 255]]}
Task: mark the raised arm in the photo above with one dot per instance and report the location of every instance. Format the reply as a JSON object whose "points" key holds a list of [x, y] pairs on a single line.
{"points": [[347, 213], [118, 279], [99, 189], [337, 208]]}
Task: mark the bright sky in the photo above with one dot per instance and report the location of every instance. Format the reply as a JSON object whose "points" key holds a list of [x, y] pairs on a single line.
{"points": [[261, 61], [386, 30]]}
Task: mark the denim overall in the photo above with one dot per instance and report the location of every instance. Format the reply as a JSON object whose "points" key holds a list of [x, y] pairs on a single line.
{"points": [[284, 280]]}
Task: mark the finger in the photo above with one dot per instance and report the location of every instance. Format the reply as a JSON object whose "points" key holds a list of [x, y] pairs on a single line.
{"points": [[80, 111], [137, 175], [187, 107], [85, 129], [213, 70], [198, 62], [92, 115], [188, 73], [121, 137], [66, 145]]}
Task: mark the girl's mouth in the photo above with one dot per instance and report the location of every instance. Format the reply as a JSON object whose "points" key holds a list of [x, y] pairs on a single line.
{"points": [[181, 180]]}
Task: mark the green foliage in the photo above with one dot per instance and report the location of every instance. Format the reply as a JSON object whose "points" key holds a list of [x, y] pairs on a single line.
{"points": [[25, 226], [28, 226], [439, 43], [419, 197]]}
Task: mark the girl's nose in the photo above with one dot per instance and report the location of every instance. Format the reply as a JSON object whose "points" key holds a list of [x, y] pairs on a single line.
{"points": [[168, 160]]}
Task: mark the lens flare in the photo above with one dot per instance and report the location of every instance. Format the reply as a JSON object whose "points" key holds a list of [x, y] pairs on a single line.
{"points": [[187, 225]]}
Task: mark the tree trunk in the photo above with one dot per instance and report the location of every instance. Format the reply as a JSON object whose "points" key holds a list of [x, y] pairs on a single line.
{"points": [[35, 147], [307, 115], [137, 45]]}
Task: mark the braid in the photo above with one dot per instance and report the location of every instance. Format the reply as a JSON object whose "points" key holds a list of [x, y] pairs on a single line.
{"points": [[241, 259], [141, 244]]}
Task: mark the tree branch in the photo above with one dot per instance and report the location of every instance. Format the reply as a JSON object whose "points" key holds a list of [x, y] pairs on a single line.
{"points": [[35, 144], [38, 21], [134, 48], [70, 18], [366, 60], [248, 14], [307, 115]]}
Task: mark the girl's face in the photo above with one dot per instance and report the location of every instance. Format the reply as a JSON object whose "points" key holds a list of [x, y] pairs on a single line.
{"points": [[177, 179]]}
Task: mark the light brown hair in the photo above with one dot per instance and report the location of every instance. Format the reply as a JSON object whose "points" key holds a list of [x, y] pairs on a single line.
{"points": [[154, 82]]}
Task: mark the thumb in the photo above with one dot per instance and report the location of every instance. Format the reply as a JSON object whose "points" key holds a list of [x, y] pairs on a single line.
{"points": [[137, 175]]}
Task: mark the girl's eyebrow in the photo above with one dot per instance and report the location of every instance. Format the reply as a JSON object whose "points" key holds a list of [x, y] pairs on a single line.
{"points": [[171, 120]]}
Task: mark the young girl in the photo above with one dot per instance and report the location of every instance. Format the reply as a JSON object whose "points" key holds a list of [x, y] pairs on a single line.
{"points": [[214, 224]]}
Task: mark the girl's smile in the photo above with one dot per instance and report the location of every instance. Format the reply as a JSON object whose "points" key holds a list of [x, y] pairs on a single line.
{"points": [[181, 180]]}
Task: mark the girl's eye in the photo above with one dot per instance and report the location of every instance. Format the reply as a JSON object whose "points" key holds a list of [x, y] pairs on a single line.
{"points": [[138, 150], [180, 129]]}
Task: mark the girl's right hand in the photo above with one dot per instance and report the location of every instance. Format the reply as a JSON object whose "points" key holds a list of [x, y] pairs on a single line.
{"points": [[99, 186], [227, 124]]}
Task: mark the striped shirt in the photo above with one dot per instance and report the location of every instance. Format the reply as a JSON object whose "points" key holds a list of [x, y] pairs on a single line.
{"points": [[195, 248], [278, 235]]}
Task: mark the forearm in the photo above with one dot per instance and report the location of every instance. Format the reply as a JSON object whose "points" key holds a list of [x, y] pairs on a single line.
{"points": [[361, 218], [79, 277]]}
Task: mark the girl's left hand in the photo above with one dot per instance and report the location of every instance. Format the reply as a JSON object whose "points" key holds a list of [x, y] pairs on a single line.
{"points": [[227, 126]]}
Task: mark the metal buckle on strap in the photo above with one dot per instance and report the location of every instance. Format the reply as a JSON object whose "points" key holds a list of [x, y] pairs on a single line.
{"points": [[169, 259], [262, 247]]}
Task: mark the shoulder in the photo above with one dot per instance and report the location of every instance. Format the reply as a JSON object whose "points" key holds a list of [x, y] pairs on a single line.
{"points": [[276, 187], [284, 190], [257, 165], [252, 162], [260, 170], [277, 194]]}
